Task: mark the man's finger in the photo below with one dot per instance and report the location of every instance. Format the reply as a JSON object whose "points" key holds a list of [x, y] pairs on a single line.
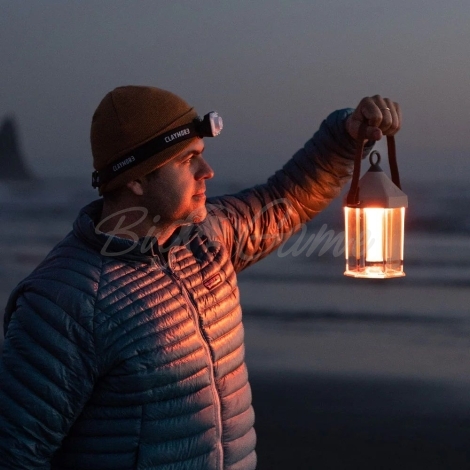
{"points": [[369, 111], [394, 125], [381, 115], [354, 125]]}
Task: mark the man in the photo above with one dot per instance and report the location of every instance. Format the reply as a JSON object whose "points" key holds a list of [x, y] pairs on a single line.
{"points": [[124, 348]]}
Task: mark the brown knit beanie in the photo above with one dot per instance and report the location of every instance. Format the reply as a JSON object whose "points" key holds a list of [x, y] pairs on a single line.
{"points": [[130, 116]]}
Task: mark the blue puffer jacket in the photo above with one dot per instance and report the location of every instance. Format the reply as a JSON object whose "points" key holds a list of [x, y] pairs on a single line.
{"points": [[117, 357]]}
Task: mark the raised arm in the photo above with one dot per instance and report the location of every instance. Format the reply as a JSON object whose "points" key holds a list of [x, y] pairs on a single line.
{"points": [[256, 221]]}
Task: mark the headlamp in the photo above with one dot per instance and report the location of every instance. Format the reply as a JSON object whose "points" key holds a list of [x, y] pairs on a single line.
{"points": [[208, 126]]}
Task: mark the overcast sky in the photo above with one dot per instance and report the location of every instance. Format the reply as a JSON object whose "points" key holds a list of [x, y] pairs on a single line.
{"points": [[273, 70]]}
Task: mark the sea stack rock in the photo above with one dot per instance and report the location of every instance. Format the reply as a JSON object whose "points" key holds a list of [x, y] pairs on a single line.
{"points": [[12, 166]]}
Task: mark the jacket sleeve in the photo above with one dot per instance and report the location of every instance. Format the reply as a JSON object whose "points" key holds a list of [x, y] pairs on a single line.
{"points": [[47, 373], [256, 221]]}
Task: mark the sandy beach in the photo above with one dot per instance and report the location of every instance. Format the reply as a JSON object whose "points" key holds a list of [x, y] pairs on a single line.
{"points": [[315, 421], [333, 396], [344, 376]]}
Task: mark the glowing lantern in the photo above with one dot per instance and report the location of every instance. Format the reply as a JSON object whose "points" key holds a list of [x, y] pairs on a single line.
{"points": [[374, 219]]}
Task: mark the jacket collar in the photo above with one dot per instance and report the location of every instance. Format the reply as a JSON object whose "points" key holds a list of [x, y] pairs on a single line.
{"points": [[143, 249]]}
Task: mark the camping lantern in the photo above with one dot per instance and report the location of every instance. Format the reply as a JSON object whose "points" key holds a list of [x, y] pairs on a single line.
{"points": [[374, 219]]}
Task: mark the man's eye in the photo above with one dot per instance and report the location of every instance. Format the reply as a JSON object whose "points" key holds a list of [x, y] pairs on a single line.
{"points": [[192, 157]]}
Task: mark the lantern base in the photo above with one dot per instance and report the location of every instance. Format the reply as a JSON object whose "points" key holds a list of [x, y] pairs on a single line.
{"points": [[374, 272]]}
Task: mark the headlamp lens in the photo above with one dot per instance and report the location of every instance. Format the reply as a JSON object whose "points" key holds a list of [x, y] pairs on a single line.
{"points": [[216, 123]]}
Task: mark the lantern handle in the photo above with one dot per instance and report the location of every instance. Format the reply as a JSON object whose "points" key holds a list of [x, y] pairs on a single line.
{"points": [[353, 196]]}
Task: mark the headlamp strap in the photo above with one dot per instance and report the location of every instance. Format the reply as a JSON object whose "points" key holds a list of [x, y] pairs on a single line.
{"points": [[145, 151]]}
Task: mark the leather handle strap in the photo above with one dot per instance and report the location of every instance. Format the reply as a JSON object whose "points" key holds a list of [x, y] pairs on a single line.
{"points": [[352, 198], [392, 159]]}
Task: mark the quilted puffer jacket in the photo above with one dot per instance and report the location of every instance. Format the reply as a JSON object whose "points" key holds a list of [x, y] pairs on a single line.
{"points": [[117, 356]]}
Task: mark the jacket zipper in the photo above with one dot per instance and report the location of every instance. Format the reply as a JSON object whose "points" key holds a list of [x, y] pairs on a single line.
{"points": [[215, 395]]}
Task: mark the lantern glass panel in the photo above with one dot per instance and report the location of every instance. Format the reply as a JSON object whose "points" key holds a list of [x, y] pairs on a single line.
{"points": [[374, 242]]}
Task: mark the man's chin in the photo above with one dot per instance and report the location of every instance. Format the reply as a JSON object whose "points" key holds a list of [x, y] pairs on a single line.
{"points": [[198, 215]]}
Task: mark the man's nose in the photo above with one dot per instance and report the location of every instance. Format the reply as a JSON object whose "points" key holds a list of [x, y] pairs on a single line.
{"points": [[204, 171]]}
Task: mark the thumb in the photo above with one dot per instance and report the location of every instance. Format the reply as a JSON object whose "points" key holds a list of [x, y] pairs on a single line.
{"points": [[356, 126]]}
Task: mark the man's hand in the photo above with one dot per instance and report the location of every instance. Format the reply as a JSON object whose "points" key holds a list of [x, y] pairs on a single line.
{"points": [[382, 116]]}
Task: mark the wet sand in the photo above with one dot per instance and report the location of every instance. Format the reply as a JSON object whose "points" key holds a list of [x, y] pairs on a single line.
{"points": [[359, 394], [307, 422]]}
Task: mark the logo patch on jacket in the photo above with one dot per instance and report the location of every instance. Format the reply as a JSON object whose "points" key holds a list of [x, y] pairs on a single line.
{"points": [[213, 281]]}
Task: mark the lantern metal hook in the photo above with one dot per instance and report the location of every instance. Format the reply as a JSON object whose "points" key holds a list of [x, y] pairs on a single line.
{"points": [[371, 156]]}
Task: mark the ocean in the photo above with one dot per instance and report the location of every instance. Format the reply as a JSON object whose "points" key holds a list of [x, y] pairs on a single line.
{"points": [[36, 215]]}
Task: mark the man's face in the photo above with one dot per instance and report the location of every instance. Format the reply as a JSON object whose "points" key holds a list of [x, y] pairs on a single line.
{"points": [[175, 194]]}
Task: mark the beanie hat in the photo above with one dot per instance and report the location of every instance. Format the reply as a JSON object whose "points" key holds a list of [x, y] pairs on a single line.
{"points": [[129, 117]]}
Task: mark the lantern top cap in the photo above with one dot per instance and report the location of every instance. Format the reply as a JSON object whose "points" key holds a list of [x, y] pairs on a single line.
{"points": [[376, 189]]}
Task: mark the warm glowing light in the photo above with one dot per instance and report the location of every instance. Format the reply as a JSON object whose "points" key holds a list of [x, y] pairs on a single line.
{"points": [[402, 235], [375, 218], [374, 234], [374, 242]]}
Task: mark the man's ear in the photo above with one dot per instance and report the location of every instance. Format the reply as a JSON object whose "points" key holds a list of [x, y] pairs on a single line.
{"points": [[136, 187]]}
